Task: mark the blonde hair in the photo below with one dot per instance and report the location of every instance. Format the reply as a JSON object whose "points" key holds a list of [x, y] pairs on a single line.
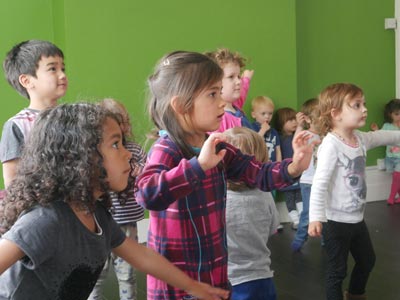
{"points": [[261, 100], [121, 112], [248, 142], [224, 56], [334, 97]]}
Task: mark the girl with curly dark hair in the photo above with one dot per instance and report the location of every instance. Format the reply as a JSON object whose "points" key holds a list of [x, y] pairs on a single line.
{"points": [[57, 235]]}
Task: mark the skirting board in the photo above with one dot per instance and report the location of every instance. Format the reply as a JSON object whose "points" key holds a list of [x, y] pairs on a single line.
{"points": [[378, 188]]}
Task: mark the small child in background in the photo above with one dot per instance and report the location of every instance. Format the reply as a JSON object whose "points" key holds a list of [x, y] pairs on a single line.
{"points": [[36, 70], [251, 218], [339, 190], [286, 125], [262, 110], [184, 180], [392, 160], [57, 234], [126, 212], [306, 119], [234, 87]]}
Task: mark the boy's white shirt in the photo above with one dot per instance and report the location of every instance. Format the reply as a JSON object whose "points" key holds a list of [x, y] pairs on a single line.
{"points": [[338, 192]]}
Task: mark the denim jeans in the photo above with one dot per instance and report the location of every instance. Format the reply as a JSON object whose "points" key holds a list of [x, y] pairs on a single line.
{"points": [[260, 289], [302, 230]]}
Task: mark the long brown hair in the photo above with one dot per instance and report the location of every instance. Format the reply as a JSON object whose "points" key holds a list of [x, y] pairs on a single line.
{"points": [[184, 75]]}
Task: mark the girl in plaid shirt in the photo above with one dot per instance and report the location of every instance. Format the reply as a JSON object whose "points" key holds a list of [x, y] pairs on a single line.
{"points": [[184, 180]]}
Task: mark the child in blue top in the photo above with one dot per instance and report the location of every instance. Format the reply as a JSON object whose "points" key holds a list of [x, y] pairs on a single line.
{"points": [[262, 110], [286, 125], [306, 119], [57, 235]]}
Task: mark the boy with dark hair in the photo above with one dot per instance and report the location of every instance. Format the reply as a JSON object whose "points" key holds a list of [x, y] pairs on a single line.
{"points": [[36, 70]]}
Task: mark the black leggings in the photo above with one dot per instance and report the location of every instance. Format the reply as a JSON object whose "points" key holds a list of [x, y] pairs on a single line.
{"points": [[340, 239]]}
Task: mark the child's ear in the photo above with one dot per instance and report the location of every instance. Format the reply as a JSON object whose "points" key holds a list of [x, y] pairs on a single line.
{"points": [[176, 106], [253, 115], [25, 81], [335, 114]]}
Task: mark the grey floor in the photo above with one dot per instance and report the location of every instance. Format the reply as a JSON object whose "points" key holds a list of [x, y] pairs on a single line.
{"points": [[300, 276]]}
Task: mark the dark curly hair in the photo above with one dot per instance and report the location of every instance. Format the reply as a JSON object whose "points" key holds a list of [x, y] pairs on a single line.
{"points": [[60, 162], [391, 107]]}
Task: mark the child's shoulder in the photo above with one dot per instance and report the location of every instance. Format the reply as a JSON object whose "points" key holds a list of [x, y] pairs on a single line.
{"points": [[389, 126], [26, 114], [164, 144]]}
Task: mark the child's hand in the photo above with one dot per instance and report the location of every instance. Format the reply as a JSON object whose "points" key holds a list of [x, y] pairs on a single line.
{"points": [[210, 155], [207, 292], [374, 126], [315, 229], [248, 73], [303, 147], [264, 128], [300, 119]]}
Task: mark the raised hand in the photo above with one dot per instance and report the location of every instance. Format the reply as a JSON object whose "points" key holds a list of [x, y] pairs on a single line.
{"points": [[303, 146], [210, 154]]}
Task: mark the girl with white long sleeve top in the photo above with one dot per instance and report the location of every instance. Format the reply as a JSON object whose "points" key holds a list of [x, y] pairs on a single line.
{"points": [[338, 192]]}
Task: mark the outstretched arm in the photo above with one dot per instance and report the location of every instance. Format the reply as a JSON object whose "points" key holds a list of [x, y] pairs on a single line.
{"points": [[149, 261], [10, 253]]}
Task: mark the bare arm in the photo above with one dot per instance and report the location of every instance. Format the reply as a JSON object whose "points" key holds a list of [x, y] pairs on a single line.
{"points": [[9, 171], [10, 253], [149, 261], [278, 153]]}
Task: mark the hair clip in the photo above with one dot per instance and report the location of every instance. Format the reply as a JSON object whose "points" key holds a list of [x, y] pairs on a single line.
{"points": [[166, 62]]}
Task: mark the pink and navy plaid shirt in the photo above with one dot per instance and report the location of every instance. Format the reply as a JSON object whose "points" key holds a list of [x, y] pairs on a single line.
{"points": [[187, 209]]}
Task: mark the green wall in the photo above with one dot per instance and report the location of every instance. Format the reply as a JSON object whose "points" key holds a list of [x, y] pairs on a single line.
{"points": [[19, 21], [295, 47], [345, 41]]}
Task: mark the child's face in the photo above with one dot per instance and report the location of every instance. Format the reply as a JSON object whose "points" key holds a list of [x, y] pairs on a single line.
{"points": [[50, 82], [353, 114], [231, 82], [262, 113], [115, 156], [395, 117], [290, 126], [208, 110]]}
